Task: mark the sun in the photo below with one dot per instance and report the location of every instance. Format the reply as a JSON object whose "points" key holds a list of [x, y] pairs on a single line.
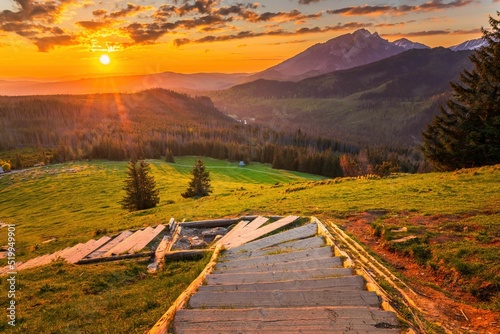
{"points": [[105, 60]]}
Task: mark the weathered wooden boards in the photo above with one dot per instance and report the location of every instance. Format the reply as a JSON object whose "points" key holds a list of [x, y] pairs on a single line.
{"points": [[255, 230], [122, 245], [289, 282]]}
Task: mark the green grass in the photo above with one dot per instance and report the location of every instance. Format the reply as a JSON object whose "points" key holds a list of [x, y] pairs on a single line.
{"points": [[72, 202], [108, 298]]}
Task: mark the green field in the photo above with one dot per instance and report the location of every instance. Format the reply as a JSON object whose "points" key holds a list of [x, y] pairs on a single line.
{"points": [[74, 201]]}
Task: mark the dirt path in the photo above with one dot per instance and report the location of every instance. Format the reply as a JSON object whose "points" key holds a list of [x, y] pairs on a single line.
{"points": [[450, 307]]}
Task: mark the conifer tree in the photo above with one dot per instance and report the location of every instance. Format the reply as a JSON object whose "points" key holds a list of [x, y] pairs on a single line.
{"points": [[140, 187], [467, 132], [200, 184]]}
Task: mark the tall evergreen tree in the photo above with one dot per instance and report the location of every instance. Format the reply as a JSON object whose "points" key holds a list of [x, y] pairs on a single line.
{"points": [[200, 184], [467, 132], [140, 187]]}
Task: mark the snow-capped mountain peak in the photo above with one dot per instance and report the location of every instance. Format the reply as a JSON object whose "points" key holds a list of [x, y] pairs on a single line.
{"points": [[408, 45], [472, 44]]}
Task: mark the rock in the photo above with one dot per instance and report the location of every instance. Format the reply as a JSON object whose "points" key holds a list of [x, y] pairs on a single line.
{"points": [[198, 244], [400, 230], [214, 232]]}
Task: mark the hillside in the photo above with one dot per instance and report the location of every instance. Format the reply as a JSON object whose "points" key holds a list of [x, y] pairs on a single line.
{"points": [[455, 215], [386, 102]]}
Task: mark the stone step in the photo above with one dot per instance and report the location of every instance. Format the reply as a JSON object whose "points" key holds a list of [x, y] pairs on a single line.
{"points": [[252, 235], [316, 263], [293, 320], [259, 277], [280, 299], [116, 240], [346, 283], [308, 254], [291, 246], [147, 238]]}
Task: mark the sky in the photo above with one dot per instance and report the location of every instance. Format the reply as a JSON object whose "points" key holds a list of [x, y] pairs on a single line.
{"points": [[57, 39]]}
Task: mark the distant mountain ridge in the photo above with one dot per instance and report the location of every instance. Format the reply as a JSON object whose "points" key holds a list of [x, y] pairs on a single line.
{"points": [[125, 84], [347, 51]]}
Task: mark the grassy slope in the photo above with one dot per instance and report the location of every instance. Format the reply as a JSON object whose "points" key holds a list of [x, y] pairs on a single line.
{"points": [[73, 205]]}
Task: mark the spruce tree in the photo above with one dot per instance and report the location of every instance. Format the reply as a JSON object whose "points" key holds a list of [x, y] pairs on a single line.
{"points": [[200, 184], [467, 132], [140, 187]]}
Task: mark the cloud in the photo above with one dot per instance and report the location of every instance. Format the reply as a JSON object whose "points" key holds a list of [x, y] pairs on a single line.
{"points": [[276, 32], [130, 10], [307, 2], [398, 10], [45, 44]]}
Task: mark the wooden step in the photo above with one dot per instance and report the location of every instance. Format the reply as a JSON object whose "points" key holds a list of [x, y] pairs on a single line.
{"points": [[252, 235], [233, 233], [254, 224], [288, 298], [278, 258], [128, 243], [112, 243], [345, 283], [284, 320], [147, 238], [259, 277], [297, 233], [84, 251], [316, 263], [291, 246]]}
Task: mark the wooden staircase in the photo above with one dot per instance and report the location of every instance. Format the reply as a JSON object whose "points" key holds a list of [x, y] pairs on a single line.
{"points": [[289, 282]]}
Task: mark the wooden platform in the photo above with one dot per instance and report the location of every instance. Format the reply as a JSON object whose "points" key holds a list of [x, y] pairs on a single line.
{"points": [[289, 282]]}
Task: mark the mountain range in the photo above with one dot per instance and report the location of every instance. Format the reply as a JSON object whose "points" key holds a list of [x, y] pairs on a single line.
{"points": [[387, 102], [347, 51]]}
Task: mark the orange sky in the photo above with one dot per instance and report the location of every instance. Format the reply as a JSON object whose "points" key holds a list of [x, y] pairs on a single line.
{"points": [[65, 38]]}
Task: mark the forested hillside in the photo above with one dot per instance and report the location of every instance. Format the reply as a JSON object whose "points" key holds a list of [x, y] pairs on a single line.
{"points": [[158, 123], [387, 102]]}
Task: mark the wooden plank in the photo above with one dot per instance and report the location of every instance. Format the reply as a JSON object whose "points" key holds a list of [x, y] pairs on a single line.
{"points": [[295, 330], [162, 325], [115, 258], [115, 241], [247, 244], [289, 298], [291, 246], [210, 223], [303, 313], [75, 257], [261, 231], [347, 283], [326, 262], [159, 255], [147, 238], [232, 233], [74, 250], [128, 243], [254, 224], [277, 258], [249, 277]]}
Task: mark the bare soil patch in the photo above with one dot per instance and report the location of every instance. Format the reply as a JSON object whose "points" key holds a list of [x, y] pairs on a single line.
{"points": [[445, 303]]}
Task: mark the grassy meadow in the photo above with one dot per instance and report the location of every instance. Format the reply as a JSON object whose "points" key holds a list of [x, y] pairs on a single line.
{"points": [[75, 202]]}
